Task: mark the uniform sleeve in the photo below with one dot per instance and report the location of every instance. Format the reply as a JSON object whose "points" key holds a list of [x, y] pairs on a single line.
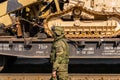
{"points": [[59, 56], [52, 55]]}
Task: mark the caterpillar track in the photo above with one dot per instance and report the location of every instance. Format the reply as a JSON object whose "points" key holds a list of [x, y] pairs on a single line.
{"points": [[79, 20], [86, 31]]}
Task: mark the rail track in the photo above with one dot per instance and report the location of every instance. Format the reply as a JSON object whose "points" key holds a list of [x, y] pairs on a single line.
{"points": [[31, 76]]}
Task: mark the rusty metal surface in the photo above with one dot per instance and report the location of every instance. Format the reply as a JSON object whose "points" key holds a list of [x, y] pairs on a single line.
{"points": [[37, 76]]}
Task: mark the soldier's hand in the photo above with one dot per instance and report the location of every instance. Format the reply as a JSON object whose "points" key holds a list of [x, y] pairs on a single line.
{"points": [[54, 74]]}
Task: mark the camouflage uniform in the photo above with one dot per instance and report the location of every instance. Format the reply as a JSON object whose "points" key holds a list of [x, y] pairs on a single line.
{"points": [[59, 55]]}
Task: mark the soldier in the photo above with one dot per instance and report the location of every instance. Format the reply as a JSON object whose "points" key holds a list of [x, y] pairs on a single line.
{"points": [[60, 55]]}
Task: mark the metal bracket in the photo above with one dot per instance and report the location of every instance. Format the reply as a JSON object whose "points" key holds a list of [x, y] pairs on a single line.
{"points": [[11, 44], [27, 45], [116, 43], [99, 44]]}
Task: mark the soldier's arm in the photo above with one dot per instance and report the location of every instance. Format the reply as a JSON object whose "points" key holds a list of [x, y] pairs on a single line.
{"points": [[52, 56], [59, 56]]}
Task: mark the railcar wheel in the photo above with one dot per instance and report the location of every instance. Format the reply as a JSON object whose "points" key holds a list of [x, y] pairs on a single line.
{"points": [[2, 62]]}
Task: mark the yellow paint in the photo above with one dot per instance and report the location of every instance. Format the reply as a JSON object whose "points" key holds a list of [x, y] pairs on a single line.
{"points": [[27, 2], [6, 20], [3, 8], [44, 15], [57, 5]]}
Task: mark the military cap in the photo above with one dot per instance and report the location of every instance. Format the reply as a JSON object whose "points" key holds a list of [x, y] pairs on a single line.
{"points": [[54, 28], [58, 30]]}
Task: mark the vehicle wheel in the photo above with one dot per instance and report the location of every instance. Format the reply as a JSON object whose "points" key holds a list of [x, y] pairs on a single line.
{"points": [[2, 62]]}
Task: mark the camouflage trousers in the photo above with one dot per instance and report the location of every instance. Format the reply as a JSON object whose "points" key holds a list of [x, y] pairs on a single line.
{"points": [[61, 75]]}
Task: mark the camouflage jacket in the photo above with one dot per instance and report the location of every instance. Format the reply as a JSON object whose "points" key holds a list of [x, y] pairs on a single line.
{"points": [[60, 55]]}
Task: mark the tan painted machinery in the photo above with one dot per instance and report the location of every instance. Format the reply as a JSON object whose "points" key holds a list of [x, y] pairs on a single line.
{"points": [[80, 18], [87, 19]]}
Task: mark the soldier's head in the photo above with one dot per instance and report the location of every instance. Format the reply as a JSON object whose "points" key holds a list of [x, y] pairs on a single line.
{"points": [[57, 31]]}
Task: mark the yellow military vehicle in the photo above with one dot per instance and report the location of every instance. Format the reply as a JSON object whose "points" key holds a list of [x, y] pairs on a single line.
{"points": [[91, 25], [80, 18]]}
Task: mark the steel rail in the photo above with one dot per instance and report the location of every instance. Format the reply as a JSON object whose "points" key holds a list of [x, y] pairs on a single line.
{"points": [[37, 76]]}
